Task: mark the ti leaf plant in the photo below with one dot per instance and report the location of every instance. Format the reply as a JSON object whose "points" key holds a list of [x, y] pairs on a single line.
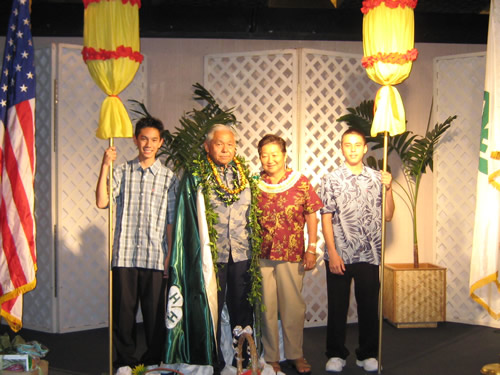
{"points": [[416, 154]]}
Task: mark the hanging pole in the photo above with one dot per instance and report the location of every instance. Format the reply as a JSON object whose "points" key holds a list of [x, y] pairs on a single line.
{"points": [[110, 256], [382, 260]]}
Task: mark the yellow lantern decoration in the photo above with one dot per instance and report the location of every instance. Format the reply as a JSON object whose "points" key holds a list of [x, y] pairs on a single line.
{"points": [[388, 44], [112, 54]]}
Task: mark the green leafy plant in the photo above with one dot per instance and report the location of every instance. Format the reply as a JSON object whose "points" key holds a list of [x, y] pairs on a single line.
{"points": [[415, 152], [185, 144]]}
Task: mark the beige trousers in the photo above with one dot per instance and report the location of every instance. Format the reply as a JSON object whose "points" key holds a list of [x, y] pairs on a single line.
{"points": [[282, 293]]}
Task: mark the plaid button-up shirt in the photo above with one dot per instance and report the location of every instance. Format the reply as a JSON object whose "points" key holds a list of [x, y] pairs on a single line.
{"points": [[145, 204]]}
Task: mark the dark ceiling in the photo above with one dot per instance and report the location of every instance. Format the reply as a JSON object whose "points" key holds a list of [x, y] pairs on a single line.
{"points": [[436, 21]]}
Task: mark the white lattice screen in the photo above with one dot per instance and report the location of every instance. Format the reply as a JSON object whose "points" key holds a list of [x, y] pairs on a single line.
{"points": [[261, 87], [71, 292], [458, 90], [297, 94]]}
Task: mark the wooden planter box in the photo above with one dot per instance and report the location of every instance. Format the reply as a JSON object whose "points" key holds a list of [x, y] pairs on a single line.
{"points": [[414, 297]]}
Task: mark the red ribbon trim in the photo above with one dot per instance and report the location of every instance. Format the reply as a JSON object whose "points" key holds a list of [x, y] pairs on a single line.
{"points": [[390, 58], [124, 2], [115, 96], [393, 4], [90, 53]]}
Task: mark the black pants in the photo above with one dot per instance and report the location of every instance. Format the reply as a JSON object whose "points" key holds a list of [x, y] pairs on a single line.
{"points": [[235, 285], [132, 286], [366, 288]]}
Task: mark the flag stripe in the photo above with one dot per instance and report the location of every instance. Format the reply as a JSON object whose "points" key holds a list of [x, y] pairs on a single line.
{"points": [[18, 206], [9, 248], [20, 174], [25, 114]]}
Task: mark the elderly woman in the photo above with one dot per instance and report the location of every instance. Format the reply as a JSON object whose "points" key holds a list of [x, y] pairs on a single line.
{"points": [[288, 201]]}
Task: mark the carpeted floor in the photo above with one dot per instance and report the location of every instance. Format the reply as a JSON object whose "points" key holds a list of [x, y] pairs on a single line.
{"points": [[451, 348]]}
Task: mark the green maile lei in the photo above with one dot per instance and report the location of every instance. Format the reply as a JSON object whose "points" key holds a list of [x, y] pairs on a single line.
{"points": [[207, 180]]}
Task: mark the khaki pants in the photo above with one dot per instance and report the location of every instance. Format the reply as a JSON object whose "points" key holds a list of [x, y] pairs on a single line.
{"points": [[282, 293]]}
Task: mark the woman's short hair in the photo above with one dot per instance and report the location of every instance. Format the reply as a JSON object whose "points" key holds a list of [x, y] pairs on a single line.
{"points": [[272, 138]]}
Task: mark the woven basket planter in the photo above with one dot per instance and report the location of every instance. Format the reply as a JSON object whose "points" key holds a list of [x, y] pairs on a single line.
{"points": [[414, 297]]}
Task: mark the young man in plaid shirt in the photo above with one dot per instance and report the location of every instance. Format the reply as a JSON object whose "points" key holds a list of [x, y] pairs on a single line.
{"points": [[144, 191]]}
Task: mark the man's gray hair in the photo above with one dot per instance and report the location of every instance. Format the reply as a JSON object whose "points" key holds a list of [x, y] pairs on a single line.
{"points": [[211, 132]]}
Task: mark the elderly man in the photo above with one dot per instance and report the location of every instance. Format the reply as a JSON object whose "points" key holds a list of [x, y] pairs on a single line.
{"points": [[223, 179]]}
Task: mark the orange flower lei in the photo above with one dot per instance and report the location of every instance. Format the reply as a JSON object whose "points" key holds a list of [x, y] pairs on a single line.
{"points": [[368, 5], [242, 180], [390, 58]]}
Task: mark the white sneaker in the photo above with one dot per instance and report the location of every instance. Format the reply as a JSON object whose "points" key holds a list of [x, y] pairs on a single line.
{"points": [[369, 364], [228, 370], [335, 364], [124, 370]]}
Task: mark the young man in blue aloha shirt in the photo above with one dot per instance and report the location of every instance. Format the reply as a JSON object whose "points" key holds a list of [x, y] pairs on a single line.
{"points": [[351, 222]]}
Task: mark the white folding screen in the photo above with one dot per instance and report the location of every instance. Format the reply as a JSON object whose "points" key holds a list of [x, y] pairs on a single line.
{"points": [[297, 94], [458, 90], [262, 89], [72, 277]]}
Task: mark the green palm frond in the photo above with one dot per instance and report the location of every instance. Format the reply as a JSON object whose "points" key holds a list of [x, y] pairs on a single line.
{"points": [[419, 154], [185, 143], [142, 111], [360, 117], [402, 142]]}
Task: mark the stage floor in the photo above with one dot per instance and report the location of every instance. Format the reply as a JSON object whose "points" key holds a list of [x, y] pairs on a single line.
{"points": [[451, 348]]}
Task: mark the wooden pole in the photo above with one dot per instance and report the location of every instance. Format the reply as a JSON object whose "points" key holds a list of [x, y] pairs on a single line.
{"points": [[382, 260], [110, 256]]}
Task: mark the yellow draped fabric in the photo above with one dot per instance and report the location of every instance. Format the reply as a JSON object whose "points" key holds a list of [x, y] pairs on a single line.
{"points": [[111, 52], [388, 40]]}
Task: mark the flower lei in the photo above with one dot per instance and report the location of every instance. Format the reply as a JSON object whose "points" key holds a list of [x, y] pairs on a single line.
{"points": [[227, 195], [202, 168], [284, 185]]}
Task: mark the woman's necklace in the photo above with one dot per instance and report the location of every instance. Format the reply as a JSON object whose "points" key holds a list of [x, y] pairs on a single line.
{"points": [[282, 186], [228, 195]]}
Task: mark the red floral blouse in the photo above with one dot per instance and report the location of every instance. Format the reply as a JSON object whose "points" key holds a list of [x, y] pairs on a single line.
{"points": [[283, 217]]}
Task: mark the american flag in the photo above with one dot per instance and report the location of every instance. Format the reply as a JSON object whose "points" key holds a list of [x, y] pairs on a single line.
{"points": [[17, 160]]}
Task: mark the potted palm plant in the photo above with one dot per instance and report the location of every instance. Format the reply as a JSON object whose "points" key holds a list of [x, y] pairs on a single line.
{"points": [[417, 297]]}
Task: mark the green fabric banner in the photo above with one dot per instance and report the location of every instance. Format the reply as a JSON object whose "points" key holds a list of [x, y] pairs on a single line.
{"points": [[190, 334]]}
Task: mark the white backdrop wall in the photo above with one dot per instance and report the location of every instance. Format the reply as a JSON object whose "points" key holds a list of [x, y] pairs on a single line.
{"points": [[175, 64], [458, 90], [72, 287]]}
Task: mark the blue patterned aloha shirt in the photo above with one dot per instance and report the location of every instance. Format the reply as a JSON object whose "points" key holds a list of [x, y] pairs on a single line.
{"points": [[232, 227], [355, 202]]}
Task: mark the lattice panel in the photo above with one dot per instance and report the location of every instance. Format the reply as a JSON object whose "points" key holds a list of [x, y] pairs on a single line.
{"points": [[459, 85], [81, 255], [263, 87], [38, 309]]}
